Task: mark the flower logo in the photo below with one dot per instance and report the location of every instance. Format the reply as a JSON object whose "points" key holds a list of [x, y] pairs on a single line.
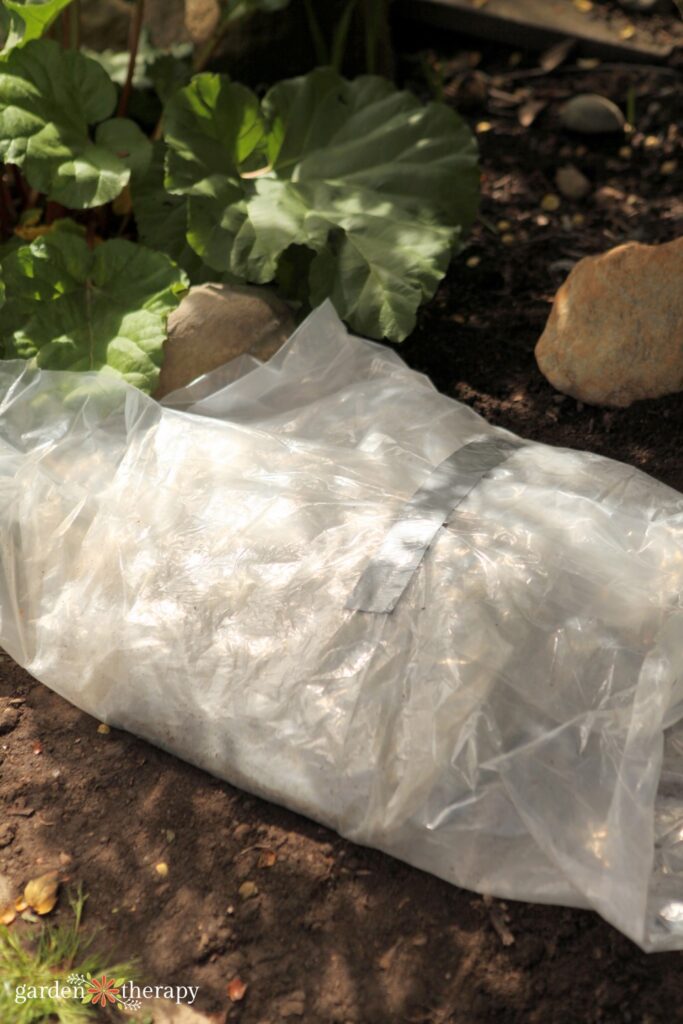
{"points": [[102, 991]]}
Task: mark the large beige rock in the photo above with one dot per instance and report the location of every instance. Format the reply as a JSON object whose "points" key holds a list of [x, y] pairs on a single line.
{"points": [[217, 322], [615, 332]]}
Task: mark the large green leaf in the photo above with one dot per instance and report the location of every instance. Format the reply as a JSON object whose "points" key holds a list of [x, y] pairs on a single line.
{"points": [[161, 220], [23, 21], [48, 99], [161, 70], [73, 308], [379, 186]]}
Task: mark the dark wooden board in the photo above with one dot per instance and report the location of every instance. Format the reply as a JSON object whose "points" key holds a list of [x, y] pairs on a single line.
{"points": [[534, 24]]}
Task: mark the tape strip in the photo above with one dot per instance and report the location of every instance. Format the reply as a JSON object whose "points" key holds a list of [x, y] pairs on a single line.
{"points": [[388, 574]]}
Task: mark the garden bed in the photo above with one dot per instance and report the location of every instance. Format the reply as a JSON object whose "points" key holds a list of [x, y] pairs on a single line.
{"points": [[334, 932]]}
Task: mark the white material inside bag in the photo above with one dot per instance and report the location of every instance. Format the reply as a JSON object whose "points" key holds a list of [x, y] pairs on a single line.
{"points": [[183, 571]]}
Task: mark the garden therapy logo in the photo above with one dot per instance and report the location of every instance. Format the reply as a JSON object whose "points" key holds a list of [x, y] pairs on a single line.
{"points": [[105, 991]]}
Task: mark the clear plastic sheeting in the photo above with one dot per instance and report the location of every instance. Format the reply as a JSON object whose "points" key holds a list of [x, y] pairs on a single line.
{"points": [[183, 571]]}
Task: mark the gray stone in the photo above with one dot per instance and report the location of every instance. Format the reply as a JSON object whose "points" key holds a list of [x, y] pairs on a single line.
{"points": [[591, 114], [217, 322], [615, 332], [572, 183]]}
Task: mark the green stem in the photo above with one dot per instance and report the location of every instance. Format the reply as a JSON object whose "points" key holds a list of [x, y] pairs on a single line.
{"points": [[322, 55], [373, 10], [135, 30], [376, 32], [341, 35]]}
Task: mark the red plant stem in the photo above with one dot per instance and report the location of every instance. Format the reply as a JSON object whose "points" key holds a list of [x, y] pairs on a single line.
{"points": [[66, 29], [21, 187], [90, 232], [53, 211], [6, 209], [135, 30], [75, 24]]}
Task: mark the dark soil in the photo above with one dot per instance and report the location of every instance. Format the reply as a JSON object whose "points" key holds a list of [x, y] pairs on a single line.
{"points": [[337, 933], [476, 339]]}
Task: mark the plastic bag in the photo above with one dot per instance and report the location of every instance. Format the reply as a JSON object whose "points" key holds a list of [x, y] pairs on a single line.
{"points": [[194, 572]]}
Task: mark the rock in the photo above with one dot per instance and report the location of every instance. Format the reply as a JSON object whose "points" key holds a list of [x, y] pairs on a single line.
{"points": [[572, 183], [591, 114], [201, 19], [217, 322], [9, 720], [615, 332], [248, 890]]}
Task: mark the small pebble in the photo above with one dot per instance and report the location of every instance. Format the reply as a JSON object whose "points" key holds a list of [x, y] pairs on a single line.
{"points": [[550, 203], [591, 114], [248, 890], [572, 183], [9, 720]]}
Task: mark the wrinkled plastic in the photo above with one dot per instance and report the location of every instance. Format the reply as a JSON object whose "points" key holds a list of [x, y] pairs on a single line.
{"points": [[182, 571]]}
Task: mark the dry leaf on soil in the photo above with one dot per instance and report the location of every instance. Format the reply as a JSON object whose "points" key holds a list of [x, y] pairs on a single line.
{"points": [[41, 893], [237, 990], [557, 54], [267, 859], [529, 111]]}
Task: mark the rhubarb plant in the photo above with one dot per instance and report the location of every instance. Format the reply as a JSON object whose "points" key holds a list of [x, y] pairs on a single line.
{"points": [[323, 188]]}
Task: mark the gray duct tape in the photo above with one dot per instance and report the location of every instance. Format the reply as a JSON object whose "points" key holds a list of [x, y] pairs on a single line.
{"points": [[388, 574]]}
